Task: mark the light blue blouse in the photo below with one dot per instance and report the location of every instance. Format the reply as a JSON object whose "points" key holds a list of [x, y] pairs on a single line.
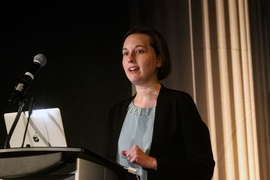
{"points": [[136, 129]]}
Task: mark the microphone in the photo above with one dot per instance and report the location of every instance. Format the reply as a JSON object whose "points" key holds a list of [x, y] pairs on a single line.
{"points": [[39, 61]]}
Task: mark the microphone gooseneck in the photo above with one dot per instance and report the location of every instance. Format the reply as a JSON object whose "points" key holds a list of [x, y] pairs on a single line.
{"points": [[30, 111]]}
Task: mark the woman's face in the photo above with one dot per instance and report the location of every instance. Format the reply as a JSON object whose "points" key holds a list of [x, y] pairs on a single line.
{"points": [[140, 62]]}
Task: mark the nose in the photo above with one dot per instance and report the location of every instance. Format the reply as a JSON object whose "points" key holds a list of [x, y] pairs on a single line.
{"points": [[131, 58]]}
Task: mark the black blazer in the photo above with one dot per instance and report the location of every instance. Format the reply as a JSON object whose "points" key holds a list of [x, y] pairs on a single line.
{"points": [[181, 142]]}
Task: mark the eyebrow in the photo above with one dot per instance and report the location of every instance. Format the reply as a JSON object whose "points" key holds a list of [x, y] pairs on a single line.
{"points": [[136, 47]]}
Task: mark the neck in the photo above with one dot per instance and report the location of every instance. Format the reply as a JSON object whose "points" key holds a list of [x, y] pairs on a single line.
{"points": [[147, 95]]}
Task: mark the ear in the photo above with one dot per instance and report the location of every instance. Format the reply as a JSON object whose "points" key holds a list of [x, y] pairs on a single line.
{"points": [[159, 61]]}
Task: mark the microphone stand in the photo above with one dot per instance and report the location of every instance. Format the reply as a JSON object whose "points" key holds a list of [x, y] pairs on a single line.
{"points": [[21, 105], [31, 107]]}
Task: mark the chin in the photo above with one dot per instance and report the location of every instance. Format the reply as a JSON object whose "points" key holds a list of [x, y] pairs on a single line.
{"points": [[133, 80]]}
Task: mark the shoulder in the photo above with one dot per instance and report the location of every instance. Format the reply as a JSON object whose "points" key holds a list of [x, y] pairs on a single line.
{"points": [[121, 104], [170, 98], [174, 94]]}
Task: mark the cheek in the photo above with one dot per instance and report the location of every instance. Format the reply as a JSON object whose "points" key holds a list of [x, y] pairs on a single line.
{"points": [[150, 64], [124, 64]]}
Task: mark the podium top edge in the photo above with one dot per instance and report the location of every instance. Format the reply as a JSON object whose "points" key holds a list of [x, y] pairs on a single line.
{"points": [[42, 149]]}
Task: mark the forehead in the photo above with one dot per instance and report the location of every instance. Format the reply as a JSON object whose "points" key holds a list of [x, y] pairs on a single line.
{"points": [[137, 39]]}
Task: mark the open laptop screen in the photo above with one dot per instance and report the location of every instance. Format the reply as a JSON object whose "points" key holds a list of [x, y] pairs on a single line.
{"points": [[45, 129]]}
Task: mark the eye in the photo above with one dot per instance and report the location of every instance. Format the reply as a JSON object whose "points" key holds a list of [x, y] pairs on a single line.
{"points": [[125, 53], [140, 51]]}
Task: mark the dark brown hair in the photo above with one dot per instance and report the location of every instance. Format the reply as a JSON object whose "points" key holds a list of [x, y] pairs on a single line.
{"points": [[160, 47]]}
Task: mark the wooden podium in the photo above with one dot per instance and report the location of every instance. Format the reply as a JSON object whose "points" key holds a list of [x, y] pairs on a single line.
{"points": [[59, 163]]}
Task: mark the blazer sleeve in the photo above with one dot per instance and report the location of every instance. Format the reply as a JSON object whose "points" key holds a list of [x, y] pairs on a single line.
{"points": [[186, 153]]}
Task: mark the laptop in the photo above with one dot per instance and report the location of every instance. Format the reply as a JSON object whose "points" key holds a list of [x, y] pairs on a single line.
{"points": [[45, 129]]}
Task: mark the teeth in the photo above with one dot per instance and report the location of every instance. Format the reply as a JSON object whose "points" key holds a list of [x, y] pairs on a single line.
{"points": [[132, 69]]}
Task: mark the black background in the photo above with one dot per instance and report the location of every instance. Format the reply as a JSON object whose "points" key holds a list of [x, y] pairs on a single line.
{"points": [[83, 75]]}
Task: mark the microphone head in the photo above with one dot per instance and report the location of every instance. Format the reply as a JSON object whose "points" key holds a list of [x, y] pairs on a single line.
{"points": [[41, 59]]}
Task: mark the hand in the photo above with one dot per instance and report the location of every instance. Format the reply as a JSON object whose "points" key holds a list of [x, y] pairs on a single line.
{"points": [[136, 156]]}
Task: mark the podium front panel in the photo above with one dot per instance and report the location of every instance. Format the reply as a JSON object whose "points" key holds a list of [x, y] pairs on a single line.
{"points": [[89, 170]]}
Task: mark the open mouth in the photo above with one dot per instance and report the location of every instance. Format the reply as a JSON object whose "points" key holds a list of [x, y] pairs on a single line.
{"points": [[133, 69]]}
